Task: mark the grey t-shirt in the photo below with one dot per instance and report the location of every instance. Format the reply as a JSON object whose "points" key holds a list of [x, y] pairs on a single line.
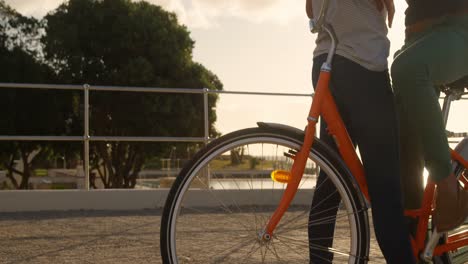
{"points": [[361, 31]]}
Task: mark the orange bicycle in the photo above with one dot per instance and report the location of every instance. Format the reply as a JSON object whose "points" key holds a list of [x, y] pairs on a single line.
{"points": [[246, 196]]}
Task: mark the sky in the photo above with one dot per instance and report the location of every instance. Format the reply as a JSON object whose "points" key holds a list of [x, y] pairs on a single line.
{"points": [[256, 46]]}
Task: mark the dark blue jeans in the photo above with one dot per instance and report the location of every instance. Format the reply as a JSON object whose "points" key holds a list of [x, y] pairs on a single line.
{"points": [[365, 101]]}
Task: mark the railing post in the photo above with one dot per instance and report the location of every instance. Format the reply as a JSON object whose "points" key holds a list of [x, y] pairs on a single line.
{"points": [[206, 115], [207, 130], [86, 135]]}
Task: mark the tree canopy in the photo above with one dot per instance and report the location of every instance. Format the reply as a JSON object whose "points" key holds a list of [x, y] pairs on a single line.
{"points": [[25, 111], [99, 42], [124, 43]]}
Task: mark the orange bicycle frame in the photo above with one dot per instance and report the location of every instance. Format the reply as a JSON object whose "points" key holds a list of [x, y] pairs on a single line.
{"points": [[324, 105], [454, 241]]}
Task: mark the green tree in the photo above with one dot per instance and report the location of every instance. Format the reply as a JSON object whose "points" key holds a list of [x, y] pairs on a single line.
{"points": [[24, 111], [237, 156], [124, 43]]}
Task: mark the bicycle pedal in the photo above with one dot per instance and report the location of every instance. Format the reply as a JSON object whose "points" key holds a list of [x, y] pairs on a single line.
{"points": [[281, 176]]}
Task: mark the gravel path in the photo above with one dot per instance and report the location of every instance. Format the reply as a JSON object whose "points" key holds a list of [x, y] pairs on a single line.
{"points": [[85, 237]]}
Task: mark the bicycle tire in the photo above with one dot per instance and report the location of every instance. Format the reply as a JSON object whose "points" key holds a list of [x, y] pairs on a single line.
{"points": [[181, 222]]}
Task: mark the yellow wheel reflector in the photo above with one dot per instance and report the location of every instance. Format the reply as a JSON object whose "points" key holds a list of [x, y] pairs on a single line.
{"points": [[281, 176]]}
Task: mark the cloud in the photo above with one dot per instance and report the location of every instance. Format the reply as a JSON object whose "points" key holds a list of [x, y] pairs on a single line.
{"points": [[196, 13], [34, 8], [206, 13]]}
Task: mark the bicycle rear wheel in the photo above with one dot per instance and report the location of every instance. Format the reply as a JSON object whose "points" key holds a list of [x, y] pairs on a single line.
{"points": [[460, 256], [223, 198]]}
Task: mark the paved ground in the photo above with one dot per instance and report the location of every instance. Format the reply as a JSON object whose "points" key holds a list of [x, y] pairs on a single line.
{"points": [[80, 237], [84, 237]]}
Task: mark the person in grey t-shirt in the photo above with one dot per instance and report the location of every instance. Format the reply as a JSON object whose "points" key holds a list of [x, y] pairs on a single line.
{"points": [[361, 87]]}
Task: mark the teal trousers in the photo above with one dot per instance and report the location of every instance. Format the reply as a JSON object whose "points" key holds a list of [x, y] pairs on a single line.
{"points": [[428, 59]]}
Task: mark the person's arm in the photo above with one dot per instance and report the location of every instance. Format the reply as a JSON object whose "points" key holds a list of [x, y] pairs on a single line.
{"points": [[389, 5], [309, 9], [391, 11]]}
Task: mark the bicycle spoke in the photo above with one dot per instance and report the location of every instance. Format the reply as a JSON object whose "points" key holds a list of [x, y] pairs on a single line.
{"points": [[235, 203], [323, 200], [315, 222], [291, 248], [327, 220], [285, 223], [321, 248], [223, 206], [275, 253], [234, 249], [263, 252], [255, 248]]}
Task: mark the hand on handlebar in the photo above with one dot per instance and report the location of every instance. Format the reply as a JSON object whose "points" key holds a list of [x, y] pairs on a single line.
{"points": [[390, 6]]}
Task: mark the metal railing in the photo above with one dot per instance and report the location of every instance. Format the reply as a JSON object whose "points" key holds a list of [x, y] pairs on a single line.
{"points": [[86, 138]]}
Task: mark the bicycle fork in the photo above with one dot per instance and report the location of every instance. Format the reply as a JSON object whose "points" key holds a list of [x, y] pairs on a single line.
{"points": [[293, 177], [324, 105]]}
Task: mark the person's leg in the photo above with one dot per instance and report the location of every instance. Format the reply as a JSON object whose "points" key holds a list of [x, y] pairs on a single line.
{"points": [[366, 102], [436, 57], [411, 157], [412, 167], [412, 164], [373, 125]]}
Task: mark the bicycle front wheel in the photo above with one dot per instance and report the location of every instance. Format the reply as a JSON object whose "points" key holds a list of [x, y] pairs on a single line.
{"points": [[222, 200]]}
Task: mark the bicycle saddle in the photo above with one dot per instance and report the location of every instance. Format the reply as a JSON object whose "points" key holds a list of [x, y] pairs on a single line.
{"points": [[457, 87]]}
